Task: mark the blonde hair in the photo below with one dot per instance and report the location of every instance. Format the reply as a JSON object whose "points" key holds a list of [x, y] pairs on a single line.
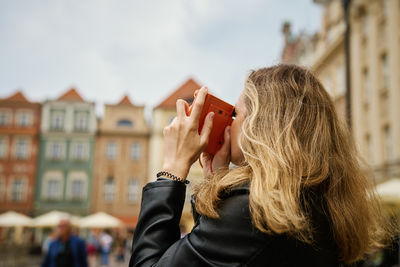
{"points": [[292, 141]]}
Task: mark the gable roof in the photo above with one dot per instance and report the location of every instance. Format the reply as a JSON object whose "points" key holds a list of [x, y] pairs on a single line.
{"points": [[17, 96], [185, 91], [125, 101], [71, 95]]}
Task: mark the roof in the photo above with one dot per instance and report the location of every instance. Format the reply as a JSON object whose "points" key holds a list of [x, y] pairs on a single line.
{"points": [[125, 101], [71, 95], [185, 91], [17, 96]]}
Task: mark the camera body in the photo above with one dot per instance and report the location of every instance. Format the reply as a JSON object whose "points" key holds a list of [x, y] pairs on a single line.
{"points": [[223, 113]]}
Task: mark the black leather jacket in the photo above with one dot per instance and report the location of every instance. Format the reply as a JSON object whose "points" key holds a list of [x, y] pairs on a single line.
{"points": [[229, 241]]}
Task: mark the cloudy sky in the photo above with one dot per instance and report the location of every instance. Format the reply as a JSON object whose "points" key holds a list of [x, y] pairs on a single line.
{"points": [[146, 49]]}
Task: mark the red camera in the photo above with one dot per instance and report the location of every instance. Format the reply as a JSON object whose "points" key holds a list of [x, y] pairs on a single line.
{"points": [[223, 113]]}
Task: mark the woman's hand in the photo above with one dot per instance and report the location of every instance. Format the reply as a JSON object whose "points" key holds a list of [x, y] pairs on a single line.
{"points": [[182, 142], [221, 159]]}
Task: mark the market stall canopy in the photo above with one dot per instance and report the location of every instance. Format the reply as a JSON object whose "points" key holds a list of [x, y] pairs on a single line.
{"points": [[389, 191], [15, 219], [100, 220], [52, 218]]}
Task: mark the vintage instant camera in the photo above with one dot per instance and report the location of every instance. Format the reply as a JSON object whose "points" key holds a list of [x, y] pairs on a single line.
{"points": [[223, 113]]}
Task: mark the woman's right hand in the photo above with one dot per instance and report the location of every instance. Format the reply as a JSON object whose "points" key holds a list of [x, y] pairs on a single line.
{"points": [[221, 159]]}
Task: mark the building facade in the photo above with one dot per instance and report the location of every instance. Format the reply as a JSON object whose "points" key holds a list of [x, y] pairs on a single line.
{"points": [[19, 135], [121, 161], [162, 115], [375, 82], [64, 176]]}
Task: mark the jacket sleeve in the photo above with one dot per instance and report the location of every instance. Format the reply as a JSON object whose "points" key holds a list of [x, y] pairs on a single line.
{"points": [[227, 241]]}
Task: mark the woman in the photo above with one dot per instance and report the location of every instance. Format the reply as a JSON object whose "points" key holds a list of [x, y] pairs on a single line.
{"points": [[297, 196]]}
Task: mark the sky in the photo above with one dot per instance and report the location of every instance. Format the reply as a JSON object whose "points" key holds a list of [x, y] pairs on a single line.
{"points": [[146, 49]]}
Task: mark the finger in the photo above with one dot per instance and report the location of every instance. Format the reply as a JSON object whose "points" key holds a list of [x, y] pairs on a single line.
{"points": [[227, 140], [205, 132], [206, 159], [198, 104], [181, 108]]}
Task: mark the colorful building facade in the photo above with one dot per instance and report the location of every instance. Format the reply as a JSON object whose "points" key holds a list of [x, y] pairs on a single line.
{"points": [[121, 161], [19, 135], [64, 176]]}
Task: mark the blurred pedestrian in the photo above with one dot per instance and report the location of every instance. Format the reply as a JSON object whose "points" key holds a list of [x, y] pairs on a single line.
{"points": [[92, 247], [105, 241], [47, 241], [129, 240], [67, 250], [120, 247]]}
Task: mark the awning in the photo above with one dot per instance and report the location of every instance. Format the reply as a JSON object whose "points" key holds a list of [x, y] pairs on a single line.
{"points": [[100, 220], [52, 218], [15, 219]]}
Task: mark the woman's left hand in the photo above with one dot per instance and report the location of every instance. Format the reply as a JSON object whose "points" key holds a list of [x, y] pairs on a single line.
{"points": [[182, 142]]}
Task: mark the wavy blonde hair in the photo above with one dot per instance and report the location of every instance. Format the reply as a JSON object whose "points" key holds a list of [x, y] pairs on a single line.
{"points": [[292, 140]]}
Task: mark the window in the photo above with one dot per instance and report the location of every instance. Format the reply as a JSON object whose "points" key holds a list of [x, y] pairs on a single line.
{"points": [[21, 148], [340, 80], [125, 123], [77, 189], [385, 71], [3, 147], [368, 148], [109, 189], [17, 190], [77, 185], [111, 150], [81, 120], [80, 151], [365, 25], [57, 120], [53, 189], [55, 150], [388, 143], [52, 186], [24, 118], [5, 118], [384, 8], [133, 190], [367, 85], [135, 151]]}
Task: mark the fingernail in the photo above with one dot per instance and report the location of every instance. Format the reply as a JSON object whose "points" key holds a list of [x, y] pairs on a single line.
{"points": [[211, 115]]}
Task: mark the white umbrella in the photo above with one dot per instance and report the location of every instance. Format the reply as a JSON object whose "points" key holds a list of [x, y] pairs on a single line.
{"points": [[15, 219], [100, 220], [389, 190], [52, 219]]}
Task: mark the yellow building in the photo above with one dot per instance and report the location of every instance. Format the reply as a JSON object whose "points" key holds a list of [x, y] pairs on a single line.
{"points": [[375, 79], [121, 161], [162, 115]]}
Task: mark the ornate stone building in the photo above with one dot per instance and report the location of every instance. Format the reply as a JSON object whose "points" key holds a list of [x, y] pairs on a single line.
{"points": [[375, 79]]}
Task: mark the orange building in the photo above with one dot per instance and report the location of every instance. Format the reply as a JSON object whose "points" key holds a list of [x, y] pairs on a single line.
{"points": [[121, 161], [19, 132]]}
